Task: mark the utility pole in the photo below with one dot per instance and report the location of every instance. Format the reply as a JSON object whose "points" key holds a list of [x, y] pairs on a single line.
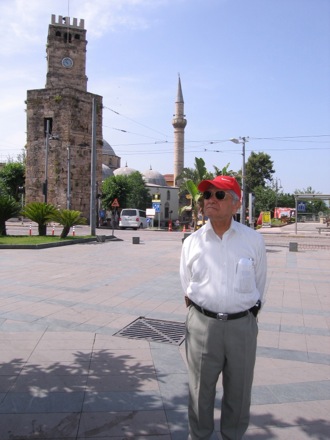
{"points": [[242, 140], [68, 190], [93, 172], [45, 185]]}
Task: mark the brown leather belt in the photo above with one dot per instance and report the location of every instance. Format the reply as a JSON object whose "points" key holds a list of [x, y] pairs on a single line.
{"points": [[220, 316]]}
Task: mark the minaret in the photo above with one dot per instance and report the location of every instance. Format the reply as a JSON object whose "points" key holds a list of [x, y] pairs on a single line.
{"points": [[179, 123]]}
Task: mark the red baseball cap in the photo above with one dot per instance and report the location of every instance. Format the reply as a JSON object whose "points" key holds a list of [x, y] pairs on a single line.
{"points": [[221, 182]]}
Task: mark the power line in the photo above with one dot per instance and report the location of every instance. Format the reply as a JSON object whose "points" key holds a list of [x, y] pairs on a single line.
{"points": [[136, 122]]}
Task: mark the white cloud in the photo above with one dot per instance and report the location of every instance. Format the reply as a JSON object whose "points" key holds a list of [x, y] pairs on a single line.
{"points": [[24, 23]]}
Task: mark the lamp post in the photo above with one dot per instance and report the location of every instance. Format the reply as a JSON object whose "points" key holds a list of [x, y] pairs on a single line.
{"points": [[277, 188], [48, 138], [242, 140], [68, 189]]}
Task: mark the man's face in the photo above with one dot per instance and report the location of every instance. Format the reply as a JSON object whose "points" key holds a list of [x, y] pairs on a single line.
{"points": [[220, 210]]}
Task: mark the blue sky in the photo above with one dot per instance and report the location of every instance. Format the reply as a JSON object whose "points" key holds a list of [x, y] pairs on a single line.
{"points": [[253, 68]]}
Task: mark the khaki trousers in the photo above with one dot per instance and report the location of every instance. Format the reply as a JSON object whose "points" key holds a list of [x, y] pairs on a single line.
{"points": [[214, 347]]}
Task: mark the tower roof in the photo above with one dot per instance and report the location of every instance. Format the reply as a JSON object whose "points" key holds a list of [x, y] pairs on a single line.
{"points": [[179, 96]]}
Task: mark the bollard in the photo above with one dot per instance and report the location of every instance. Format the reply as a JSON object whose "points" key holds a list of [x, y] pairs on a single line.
{"points": [[293, 247], [73, 231], [30, 231], [136, 240], [53, 230]]}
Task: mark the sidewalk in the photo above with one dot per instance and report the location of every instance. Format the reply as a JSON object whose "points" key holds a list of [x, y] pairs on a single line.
{"points": [[64, 374]]}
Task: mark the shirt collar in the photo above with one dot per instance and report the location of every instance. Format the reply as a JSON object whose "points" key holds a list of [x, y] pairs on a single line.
{"points": [[233, 227]]}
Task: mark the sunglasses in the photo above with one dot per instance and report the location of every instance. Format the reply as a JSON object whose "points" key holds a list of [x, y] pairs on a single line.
{"points": [[220, 195]]}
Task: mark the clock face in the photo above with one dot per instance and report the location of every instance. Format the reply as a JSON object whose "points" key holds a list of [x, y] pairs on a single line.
{"points": [[67, 62]]}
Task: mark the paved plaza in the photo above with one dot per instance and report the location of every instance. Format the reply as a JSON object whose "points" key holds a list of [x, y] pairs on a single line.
{"points": [[65, 374]]}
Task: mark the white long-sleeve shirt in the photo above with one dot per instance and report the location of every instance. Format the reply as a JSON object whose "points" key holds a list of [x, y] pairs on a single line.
{"points": [[225, 275]]}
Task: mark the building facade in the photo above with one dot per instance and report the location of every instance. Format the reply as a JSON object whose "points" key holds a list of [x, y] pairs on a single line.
{"points": [[63, 122]]}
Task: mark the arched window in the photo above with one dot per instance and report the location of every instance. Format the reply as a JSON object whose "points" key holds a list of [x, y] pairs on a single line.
{"points": [[167, 210], [67, 37], [168, 195], [57, 34], [77, 37]]}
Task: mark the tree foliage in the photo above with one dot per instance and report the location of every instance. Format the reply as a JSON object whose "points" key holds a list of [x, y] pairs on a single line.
{"points": [[258, 170], [40, 213], [9, 208], [190, 179], [68, 218], [130, 191], [12, 176]]}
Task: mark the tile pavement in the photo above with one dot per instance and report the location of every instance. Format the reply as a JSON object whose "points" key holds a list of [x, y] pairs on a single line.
{"points": [[64, 375]]}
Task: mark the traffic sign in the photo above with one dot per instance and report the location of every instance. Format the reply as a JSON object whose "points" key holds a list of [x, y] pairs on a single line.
{"points": [[156, 207], [115, 203]]}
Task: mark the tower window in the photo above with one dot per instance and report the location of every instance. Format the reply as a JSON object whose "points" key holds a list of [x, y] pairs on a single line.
{"points": [[168, 195], [77, 37], [50, 125], [57, 34], [67, 37]]}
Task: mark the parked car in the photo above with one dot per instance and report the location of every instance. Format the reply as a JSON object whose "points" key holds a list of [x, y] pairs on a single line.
{"points": [[132, 218]]}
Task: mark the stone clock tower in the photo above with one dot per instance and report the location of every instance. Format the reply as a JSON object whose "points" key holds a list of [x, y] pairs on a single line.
{"points": [[60, 124]]}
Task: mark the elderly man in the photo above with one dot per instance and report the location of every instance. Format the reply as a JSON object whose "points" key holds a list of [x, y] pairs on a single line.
{"points": [[223, 275]]}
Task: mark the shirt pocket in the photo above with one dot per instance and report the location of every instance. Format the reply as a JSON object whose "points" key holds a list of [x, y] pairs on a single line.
{"points": [[245, 276]]}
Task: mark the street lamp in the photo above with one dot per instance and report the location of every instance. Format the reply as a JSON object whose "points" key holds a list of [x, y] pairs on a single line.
{"points": [[277, 188], [242, 140], [48, 138], [68, 189]]}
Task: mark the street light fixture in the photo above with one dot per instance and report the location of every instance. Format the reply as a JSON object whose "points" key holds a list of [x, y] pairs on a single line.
{"points": [[242, 140]]}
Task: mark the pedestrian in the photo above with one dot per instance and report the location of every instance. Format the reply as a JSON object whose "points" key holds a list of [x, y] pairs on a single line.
{"points": [[223, 275]]}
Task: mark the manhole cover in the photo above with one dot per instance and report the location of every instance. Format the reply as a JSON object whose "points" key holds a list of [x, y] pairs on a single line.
{"points": [[155, 330]]}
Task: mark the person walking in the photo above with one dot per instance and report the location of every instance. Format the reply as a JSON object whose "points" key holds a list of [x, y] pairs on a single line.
{"points": [[223, 274]]}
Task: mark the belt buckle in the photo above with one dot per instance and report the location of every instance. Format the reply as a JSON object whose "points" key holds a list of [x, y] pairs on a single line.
{"points": [[222, 316]]}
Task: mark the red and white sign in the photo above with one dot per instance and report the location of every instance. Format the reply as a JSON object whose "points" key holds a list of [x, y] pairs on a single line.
{"points": [[115, 203]]}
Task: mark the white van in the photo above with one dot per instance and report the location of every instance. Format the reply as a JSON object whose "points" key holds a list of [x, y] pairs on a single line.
{"points": [[132, 218]]}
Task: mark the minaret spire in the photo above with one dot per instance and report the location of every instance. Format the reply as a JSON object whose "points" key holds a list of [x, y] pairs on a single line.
{"points": [[179, 123]]}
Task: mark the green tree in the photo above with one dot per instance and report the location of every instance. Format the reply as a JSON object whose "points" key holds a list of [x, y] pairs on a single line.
{"points": [[12, 176], [115, 187], [190, 179], [264, 199], [258, 170], [41, 213], [138, 195], [68, 218], [225, 172], [8, 208], [130, 191], [196, 201], [195, 174]]}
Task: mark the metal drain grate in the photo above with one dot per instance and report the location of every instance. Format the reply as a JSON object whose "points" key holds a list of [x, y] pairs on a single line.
{"points": [[155, 330]]}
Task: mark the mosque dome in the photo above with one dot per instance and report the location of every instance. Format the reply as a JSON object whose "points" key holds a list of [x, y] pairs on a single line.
{"points": [[154, 177], [106, 171], [124, 171], [107, 149]]}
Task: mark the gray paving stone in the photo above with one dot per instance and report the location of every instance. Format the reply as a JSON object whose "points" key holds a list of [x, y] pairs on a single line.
{"points": [[66, 371]]}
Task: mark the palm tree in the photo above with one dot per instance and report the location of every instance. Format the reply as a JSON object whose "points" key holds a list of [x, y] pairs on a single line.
{"points": [[40, 213], [196, 201], [68, 218], [190, 180], [8, 208]]}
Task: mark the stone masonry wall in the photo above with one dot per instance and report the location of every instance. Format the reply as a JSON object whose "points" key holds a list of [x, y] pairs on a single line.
{"points": [[70, 111]]}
